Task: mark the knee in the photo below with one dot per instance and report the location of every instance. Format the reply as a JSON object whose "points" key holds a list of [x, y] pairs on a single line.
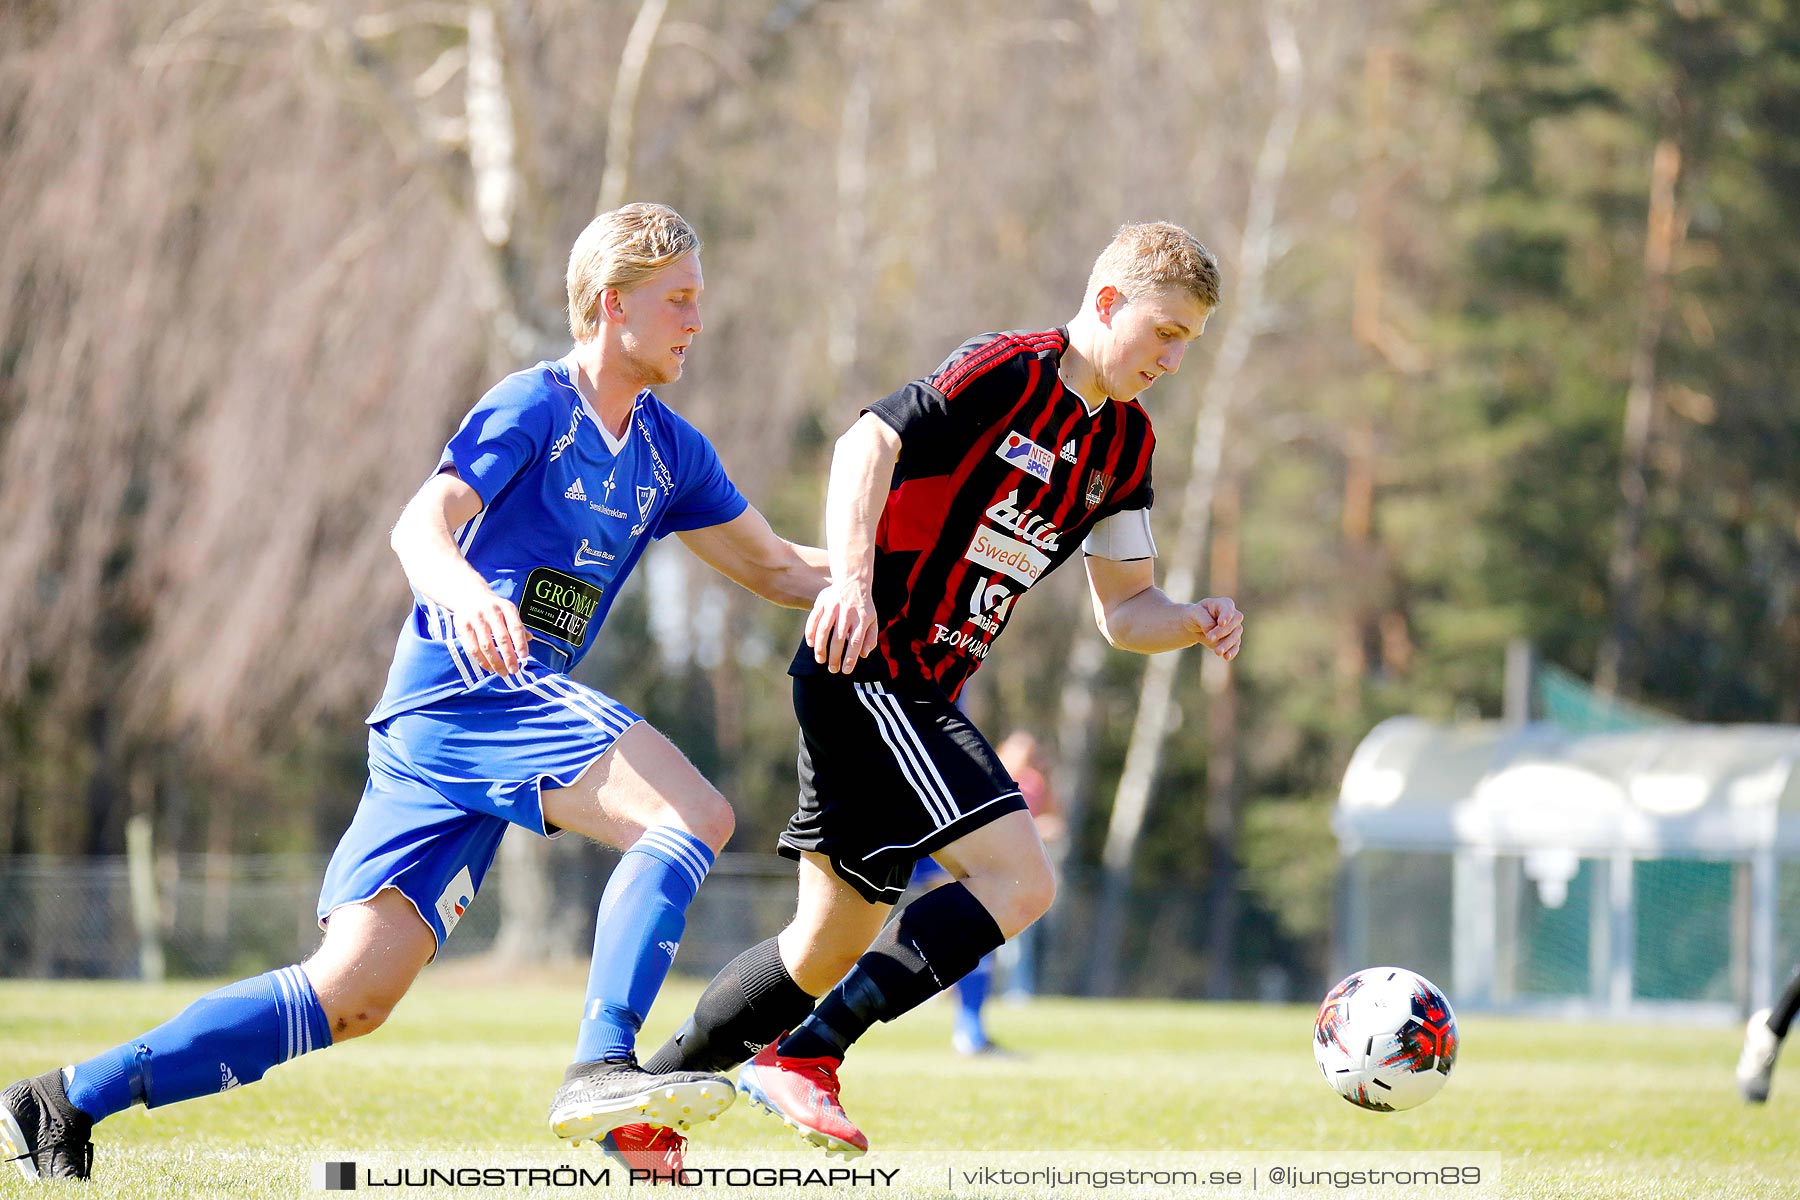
{"points": [[711, 820], [1023, 900], [356, 1007]]}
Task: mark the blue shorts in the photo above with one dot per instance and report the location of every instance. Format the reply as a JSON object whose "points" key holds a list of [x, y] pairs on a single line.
{"points": [[928, 873], [447, 778]]}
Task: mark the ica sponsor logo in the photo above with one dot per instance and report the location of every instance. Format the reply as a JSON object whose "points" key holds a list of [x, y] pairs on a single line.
{"points": [[997, 552], [1025, 454], [455, 899]]}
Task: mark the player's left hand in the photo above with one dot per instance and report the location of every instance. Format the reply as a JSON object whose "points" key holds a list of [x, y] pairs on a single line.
{"points": [[1219, 623]]}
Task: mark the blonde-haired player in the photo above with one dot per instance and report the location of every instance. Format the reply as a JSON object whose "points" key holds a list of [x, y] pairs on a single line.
{"points": [[948, 500], [515, 545]]}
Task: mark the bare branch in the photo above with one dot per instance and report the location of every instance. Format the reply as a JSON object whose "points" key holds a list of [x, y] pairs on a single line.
{"points": [[623, 115]]}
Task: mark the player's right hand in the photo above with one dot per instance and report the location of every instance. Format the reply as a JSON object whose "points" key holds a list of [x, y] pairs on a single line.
{"points": [[490, 630], [842, 627]]}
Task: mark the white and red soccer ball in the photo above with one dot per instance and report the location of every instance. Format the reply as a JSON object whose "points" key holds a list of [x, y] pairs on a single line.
{"points": [[1385, 1039]]}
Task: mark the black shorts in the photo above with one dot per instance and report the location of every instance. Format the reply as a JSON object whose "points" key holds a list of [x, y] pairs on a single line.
{"points": [[885, 779]]}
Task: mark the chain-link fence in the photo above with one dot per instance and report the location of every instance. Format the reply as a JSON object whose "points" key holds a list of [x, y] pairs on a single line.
{"points": [[226, 916]]}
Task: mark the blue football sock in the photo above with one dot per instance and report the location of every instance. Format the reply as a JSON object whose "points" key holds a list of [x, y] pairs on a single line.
{"points": [[642, 915], [224, 1039], [971, 993]]}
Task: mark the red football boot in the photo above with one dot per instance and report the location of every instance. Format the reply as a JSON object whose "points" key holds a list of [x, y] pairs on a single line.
{"points": [[803, 1092]]}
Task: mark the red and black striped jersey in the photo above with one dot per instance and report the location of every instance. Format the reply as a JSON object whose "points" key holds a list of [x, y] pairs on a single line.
{"points": [[1002, 472]]}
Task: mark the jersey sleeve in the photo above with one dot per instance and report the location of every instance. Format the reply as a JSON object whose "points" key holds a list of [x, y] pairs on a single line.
{"points": [[965, 389], [1141, 496], [507, 429], [704, 494], [1137, 492]]}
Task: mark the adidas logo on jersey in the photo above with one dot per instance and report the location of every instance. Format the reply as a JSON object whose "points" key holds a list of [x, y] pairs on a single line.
{"points": [[1068, 451], [227, 1080], [577, 492]]}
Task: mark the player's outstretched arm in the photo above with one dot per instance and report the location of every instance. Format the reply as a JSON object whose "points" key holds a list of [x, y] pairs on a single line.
{"points": [[843, 626], [1135, 614], [746, 551], [488, 626]]}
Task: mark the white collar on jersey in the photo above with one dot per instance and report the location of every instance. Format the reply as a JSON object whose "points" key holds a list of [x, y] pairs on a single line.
{"points": [[613, 444]]}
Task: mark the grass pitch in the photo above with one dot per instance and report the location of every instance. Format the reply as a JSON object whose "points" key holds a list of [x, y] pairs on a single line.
{"points": [[468, 1064]]}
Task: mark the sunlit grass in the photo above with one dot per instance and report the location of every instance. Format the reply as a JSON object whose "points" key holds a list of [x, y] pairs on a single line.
{"points": [[468, 1064]]}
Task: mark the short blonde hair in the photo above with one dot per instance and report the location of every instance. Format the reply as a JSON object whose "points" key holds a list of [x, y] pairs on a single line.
{"points": [[619, 249], [1156, 254]]}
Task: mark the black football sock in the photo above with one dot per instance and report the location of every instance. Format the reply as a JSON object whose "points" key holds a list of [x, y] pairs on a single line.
{"points": [[1782, 1015], [749, 1004], [935, 941]]}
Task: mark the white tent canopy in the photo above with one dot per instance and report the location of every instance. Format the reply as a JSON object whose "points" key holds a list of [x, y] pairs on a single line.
{"points": [[1502, 806], [1725, 790]]}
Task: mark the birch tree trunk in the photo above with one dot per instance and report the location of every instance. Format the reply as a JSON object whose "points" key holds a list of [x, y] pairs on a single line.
{"points": [[1617, 668], [524, 886], [1224, 764], [621, 118], [1131, 802]]}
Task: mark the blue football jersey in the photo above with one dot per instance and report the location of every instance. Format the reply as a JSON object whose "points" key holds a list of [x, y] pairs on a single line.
{"points": [[564, 518]]}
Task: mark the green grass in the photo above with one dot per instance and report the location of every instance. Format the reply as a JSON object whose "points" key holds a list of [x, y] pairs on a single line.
{"points": [[468, 1064]]}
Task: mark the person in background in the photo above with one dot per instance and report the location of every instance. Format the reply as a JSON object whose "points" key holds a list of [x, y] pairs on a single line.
{"points": [[1023, 756], [1019, 754], [1763, 1035]]}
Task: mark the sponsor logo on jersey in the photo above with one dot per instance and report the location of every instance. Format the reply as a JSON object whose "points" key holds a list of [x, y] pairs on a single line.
{"points": [[576, 491], [989, 604], [458, 894], [997, 552], [227, 1080], [586, 556], [972, 644], [567, 439], [1068, 451], [668, 948], [559, 604], [1098, 482], [1030, 527], [663, 477], [605, 508], [1025, 454]]}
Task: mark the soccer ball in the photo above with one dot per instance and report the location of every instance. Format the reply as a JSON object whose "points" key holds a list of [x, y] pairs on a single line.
{"points": [[1385, 1039]]}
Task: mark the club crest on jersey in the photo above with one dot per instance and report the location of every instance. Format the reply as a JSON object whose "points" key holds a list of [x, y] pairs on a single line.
{"points": [[1098, 482], [646, 500], [1020, 451]]}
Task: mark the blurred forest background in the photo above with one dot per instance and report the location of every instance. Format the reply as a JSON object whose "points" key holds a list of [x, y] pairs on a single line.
{"points": [[1508, 349]]}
